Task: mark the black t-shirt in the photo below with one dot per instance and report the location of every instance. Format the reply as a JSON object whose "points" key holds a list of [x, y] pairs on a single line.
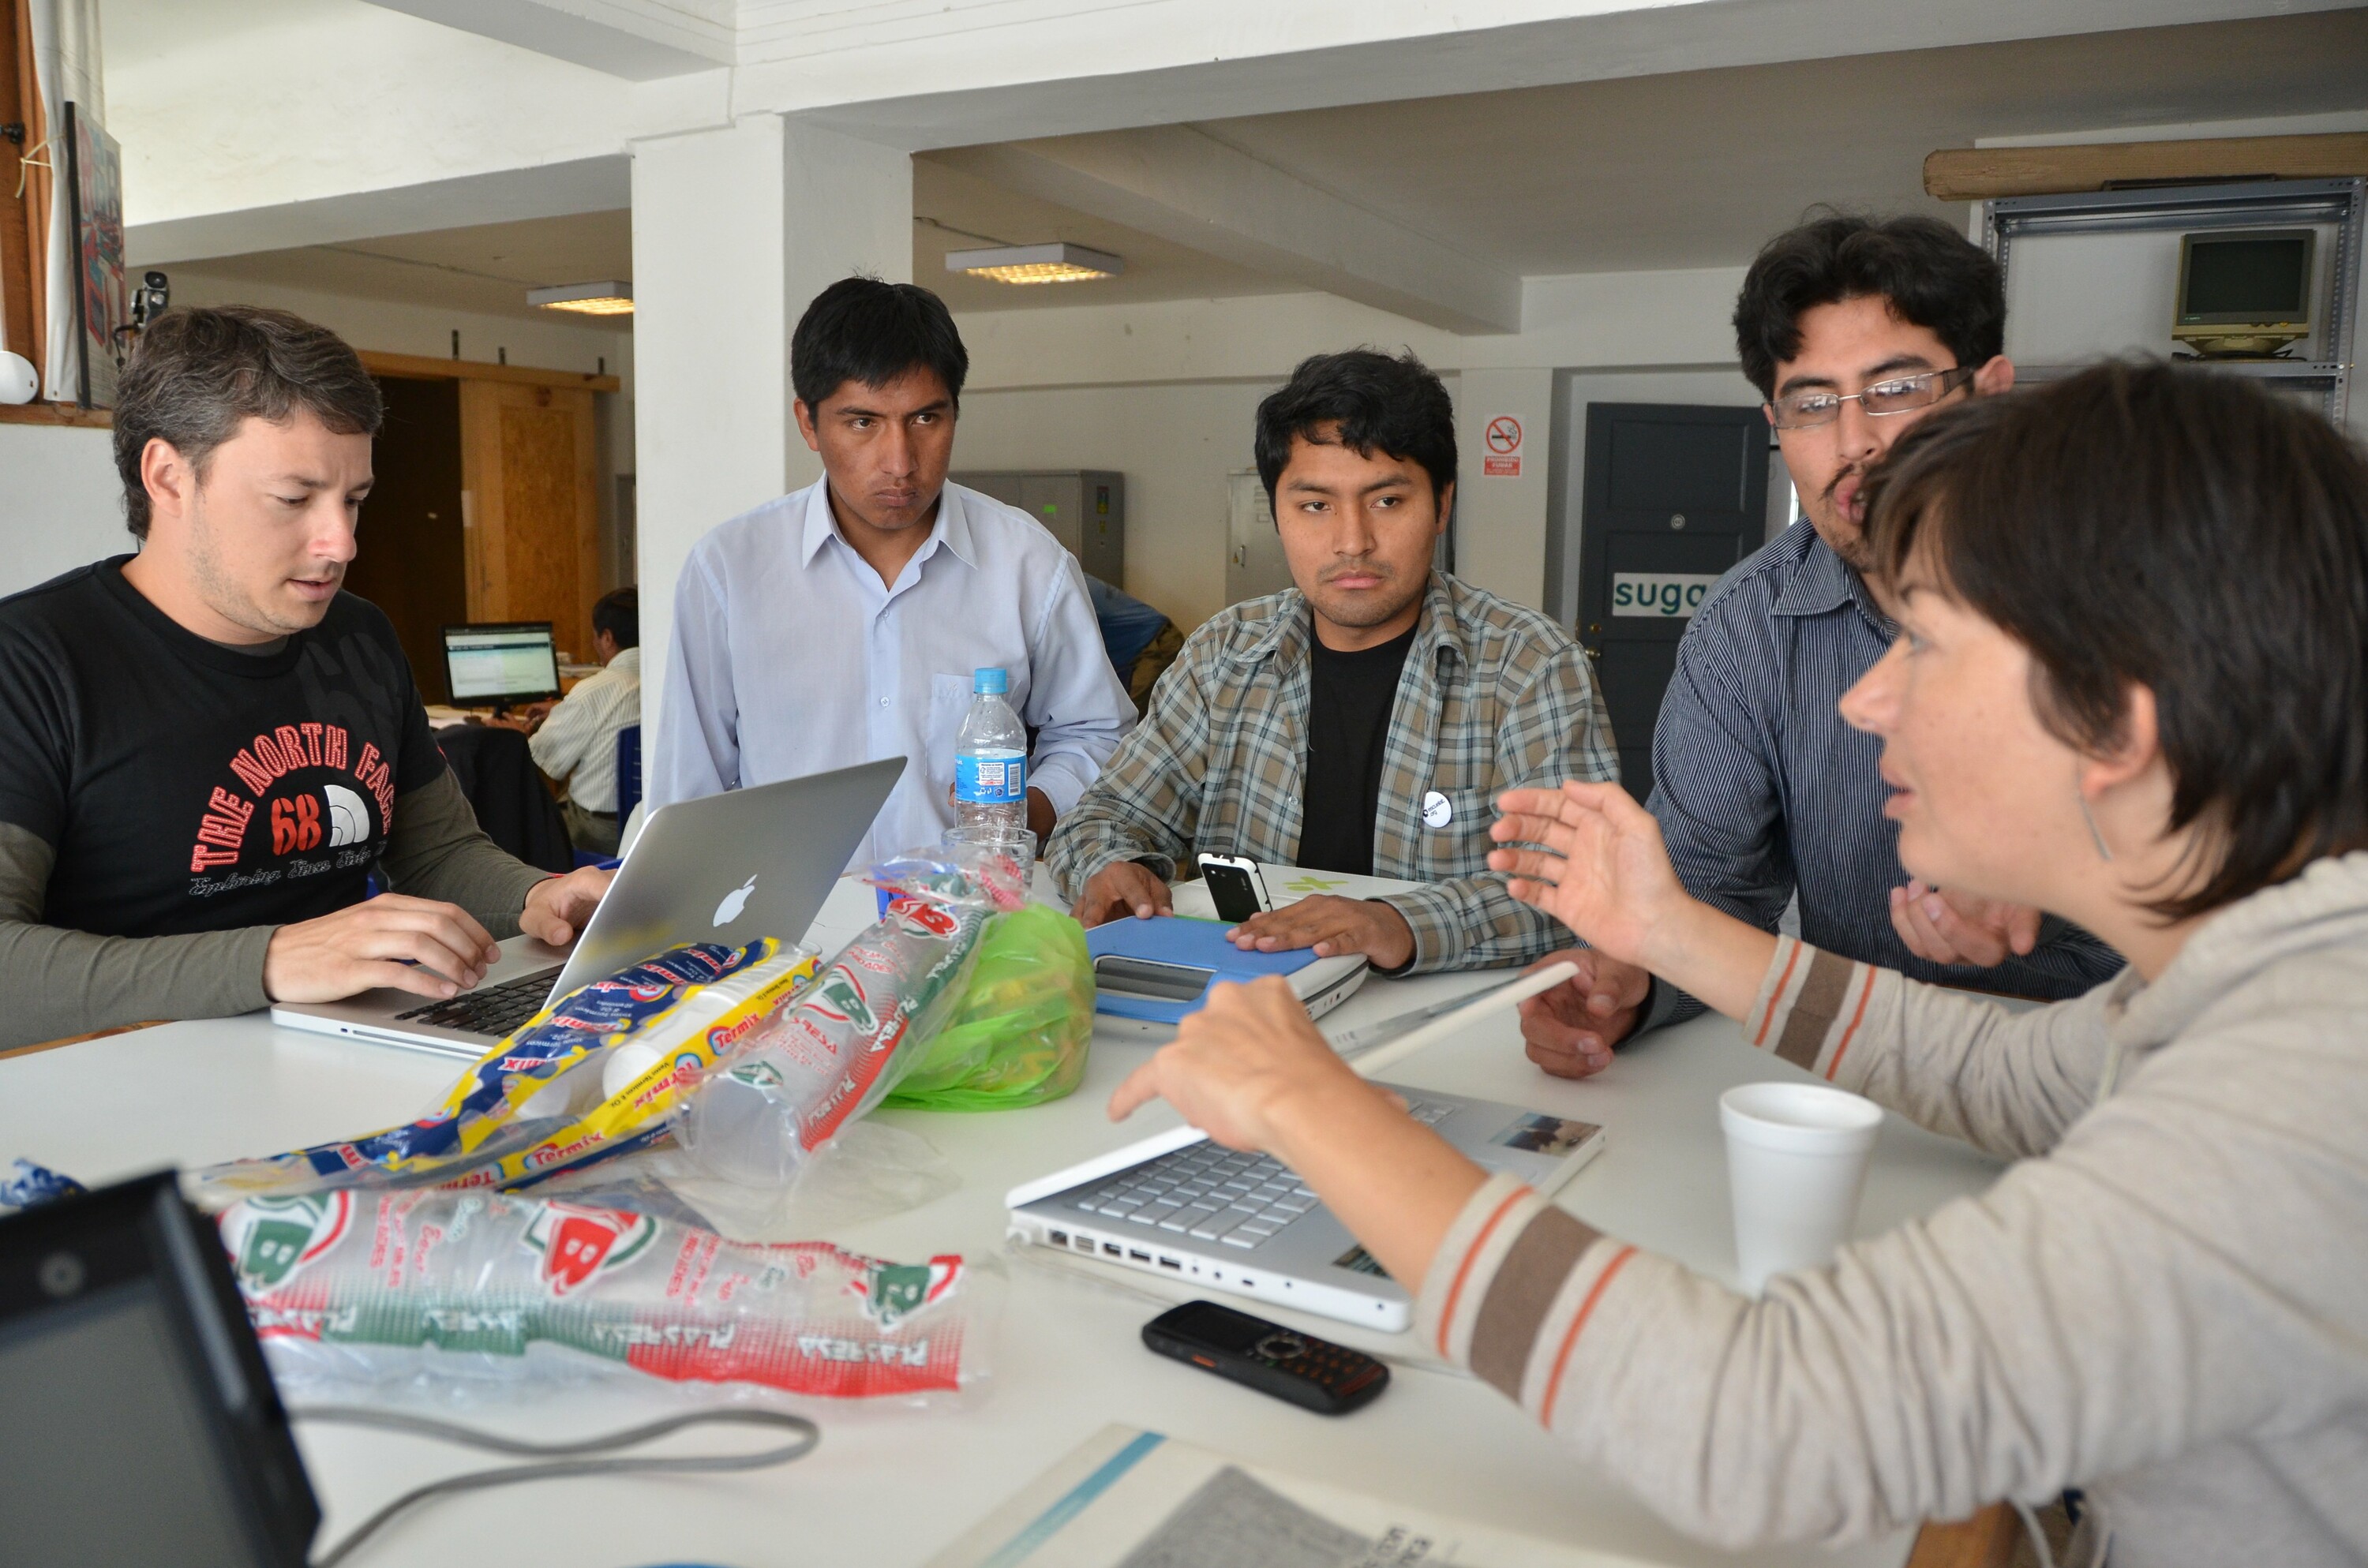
{"points": [[190, 786], [1349, 699]]}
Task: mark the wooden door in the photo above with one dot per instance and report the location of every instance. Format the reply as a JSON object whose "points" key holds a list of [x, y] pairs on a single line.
{"points": [[530, 507], [1674, 495], [412, 563]]}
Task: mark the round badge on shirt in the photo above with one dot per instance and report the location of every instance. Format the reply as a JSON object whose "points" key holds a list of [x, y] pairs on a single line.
{"points": [[1436, 812]]}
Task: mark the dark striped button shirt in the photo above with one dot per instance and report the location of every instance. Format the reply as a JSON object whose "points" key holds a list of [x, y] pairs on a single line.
{"points": [[1762, 790]]}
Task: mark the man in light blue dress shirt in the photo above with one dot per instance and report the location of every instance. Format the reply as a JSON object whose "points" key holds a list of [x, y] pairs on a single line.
{"points": [[843, 623]]}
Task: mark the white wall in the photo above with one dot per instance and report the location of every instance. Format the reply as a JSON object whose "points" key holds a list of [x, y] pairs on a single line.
{"points": [[61, 505], [1165, 392], [1174, 442], [1500, 518]]}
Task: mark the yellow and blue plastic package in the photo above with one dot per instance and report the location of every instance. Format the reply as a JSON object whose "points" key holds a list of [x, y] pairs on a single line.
{"points": [[537, 1104]]}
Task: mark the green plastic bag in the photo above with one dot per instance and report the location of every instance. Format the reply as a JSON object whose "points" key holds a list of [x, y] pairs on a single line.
{"points": [[1019, 1037]]}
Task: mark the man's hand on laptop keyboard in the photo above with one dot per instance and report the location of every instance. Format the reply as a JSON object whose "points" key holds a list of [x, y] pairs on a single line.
{"points": [[412, 944], [1334, 927], [557, 907]]}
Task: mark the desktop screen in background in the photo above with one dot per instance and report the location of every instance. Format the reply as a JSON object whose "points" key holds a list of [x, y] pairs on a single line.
{"points": [[510, 661]]}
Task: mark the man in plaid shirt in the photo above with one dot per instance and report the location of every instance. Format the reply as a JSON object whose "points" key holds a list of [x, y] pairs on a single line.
{"points": [[1362, 722]]}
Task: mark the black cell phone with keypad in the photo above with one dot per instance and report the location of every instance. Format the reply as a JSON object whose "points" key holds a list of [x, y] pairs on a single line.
{"points": [[1316, 1374]]}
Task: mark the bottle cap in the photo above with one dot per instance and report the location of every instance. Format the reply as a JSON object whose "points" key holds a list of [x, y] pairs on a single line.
{"points": [[988, 680]]}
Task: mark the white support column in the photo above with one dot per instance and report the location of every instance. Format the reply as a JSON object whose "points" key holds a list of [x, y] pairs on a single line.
{"points": [[1500, 518], [735, 231]]}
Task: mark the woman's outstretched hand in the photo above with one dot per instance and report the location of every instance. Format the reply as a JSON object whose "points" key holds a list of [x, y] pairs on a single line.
{"points": [[1238, 1063], [1593, 858], [1602, 871], [1252, 1071]]}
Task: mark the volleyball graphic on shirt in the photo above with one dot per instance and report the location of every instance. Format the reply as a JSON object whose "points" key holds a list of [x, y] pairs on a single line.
{"points": [[349, 820]]}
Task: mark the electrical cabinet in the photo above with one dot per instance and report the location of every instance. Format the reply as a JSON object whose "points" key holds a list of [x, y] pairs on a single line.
{"points": [[1085, 509]]}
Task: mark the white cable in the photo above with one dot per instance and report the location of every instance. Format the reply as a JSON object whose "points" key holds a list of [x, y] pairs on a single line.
{"points": [[560, 1459]]}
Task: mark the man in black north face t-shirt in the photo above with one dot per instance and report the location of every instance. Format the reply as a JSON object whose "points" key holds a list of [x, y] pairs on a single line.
{"points": [[206, 747]]}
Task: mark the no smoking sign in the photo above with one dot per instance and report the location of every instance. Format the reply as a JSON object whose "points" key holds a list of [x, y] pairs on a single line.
{"points": [[1503, 457]]}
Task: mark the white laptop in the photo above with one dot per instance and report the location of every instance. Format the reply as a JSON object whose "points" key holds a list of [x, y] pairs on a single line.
{"points": [[1181, 1205], [730, 867]]}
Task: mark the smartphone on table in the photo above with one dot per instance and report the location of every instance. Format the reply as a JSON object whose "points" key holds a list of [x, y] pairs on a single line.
{"points": [[1234, 886]]}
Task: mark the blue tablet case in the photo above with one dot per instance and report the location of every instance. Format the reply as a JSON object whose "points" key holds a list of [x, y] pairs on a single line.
{"points": [[1180, 940]]}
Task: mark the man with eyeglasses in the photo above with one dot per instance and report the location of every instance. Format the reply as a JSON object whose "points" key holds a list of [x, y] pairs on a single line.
{"points": [[1852, 328]]}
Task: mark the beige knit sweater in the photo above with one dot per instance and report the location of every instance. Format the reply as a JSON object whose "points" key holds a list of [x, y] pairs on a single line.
{"points": [[2165, 1300]]}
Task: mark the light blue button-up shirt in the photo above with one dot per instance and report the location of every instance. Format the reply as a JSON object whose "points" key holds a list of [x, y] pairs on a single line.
{"points": [[790, 656]]}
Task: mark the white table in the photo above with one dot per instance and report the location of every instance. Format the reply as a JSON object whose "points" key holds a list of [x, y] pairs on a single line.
{"points": [[888, 1488]]}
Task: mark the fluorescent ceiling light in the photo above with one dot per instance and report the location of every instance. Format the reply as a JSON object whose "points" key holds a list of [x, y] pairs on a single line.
{"points": [[1057, 263], [610, 298]]}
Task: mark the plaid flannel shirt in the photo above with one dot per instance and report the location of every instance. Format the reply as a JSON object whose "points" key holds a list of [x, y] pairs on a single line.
{"points": [[1493, 697]]}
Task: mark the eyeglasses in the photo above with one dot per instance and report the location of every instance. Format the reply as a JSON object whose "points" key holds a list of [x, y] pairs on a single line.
{"points": [[1898, 395]]}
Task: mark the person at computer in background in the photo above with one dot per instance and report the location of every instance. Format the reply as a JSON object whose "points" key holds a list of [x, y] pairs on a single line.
{"points": [[1853, 329], [2131, 686], [842, 623], [574, 740], [206, 747], [1359, 721]]}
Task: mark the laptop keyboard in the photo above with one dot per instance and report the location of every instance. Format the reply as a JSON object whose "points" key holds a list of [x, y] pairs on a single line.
{"points": [[1211, 1193], [492, 1010]]}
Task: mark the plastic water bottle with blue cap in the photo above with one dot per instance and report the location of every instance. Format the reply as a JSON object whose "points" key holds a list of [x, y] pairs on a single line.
{"points": [[991, 762]]}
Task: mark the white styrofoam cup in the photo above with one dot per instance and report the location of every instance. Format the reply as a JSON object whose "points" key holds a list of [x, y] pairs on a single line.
{"points": [[1796, 1157]]}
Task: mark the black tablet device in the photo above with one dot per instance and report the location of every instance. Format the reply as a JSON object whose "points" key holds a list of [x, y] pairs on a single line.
{"points": [[137, 1421]]}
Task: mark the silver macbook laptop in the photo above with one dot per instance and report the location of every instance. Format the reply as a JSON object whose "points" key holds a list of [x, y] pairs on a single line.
{"points": [[730, 867], [1181, 1205]]}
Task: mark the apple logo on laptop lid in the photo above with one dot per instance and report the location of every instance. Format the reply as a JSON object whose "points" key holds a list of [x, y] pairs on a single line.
{"points": [[735, 901]]}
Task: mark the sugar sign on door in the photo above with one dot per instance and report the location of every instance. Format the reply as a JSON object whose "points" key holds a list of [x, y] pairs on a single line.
{"points": [[1664, 595]]}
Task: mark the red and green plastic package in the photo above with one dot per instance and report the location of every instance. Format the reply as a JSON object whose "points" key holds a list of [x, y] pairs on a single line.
{"points": [[421, 1285]]}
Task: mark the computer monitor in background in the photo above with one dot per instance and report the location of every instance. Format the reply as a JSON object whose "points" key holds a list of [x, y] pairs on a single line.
{"points": [[498, 662], [2244, 294]]}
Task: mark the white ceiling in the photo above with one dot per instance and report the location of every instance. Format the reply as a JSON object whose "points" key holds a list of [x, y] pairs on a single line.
{"points": [[486, 268], [1694, 169], [1681, 170]]}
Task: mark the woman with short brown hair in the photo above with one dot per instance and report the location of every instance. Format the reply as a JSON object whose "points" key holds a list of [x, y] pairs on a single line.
{"points": [[2131, 687]]}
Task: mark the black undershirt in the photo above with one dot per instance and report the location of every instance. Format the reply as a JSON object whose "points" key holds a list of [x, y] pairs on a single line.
{"points": [[1349, 699]]}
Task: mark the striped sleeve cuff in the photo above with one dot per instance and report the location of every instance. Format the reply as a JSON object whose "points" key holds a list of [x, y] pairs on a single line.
{"points": [[1512, 1289], [1430, 914], [1813, 1010]]}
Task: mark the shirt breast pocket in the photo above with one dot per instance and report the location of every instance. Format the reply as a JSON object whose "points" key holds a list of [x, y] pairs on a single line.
{"points": [[948, 703]]}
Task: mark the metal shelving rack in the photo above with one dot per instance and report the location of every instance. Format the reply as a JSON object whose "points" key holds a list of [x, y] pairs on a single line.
{"points": [[2254, 204]]}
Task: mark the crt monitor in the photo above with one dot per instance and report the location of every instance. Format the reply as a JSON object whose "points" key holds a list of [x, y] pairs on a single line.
{"points": [[2243, 292], [495, 664]]}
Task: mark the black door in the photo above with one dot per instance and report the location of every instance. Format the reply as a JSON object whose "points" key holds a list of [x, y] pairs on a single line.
{"points": [[1674, 496]]}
